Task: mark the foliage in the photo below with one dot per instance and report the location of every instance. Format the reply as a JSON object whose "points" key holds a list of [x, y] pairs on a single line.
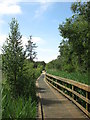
{"points": [[30, 49], [20, 107], [19, 89], [74, 49], [40, 63], [79, 77], [13, 58], [30, 75], [54, 64]]}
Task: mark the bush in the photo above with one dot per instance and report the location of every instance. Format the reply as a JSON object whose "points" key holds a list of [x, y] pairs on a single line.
{"points": [[68, 68]]}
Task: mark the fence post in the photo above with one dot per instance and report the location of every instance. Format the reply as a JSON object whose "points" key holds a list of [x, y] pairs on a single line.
{"points": [[56, 82], [86, 102], [72, 90], [45, 75]]}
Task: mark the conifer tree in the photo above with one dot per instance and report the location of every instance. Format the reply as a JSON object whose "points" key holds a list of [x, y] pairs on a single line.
{"points": [[13, 57], [30, 49]]}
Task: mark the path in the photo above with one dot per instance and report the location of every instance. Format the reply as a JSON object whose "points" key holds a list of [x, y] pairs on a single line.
{"points": [[55, 105]]}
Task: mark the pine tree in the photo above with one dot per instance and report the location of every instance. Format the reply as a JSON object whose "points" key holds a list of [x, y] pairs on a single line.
{"points": [[30, 49], [13, 57]]}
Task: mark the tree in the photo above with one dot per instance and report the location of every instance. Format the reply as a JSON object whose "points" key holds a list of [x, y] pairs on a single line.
{"points": [[13, 58], [66, 55], [76, 31], [30, 49]]}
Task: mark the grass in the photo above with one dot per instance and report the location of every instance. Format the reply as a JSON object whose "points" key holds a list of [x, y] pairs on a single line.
{"points": [[15, 108], [18, 108], [79, 77]]}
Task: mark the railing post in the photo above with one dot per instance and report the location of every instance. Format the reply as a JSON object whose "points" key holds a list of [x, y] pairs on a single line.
{"points": [[56, 82], [45, 75], [72, 90], [86, 102], [63, 85]]}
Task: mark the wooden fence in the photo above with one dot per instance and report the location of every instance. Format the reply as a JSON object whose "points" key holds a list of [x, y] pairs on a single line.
{"points": [[75, 91]]}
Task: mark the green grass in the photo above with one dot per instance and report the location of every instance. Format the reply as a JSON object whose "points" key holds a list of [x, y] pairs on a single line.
{"points": [[17, 108], [79, 77]]}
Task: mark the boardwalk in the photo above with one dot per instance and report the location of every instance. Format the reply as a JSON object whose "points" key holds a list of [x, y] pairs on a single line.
{"points": [[55, 105]]}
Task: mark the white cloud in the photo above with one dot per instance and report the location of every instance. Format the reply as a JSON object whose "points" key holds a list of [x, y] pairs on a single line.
{"points": [[46, 54], [24, 41], [45, 50], [43, 1], [37, 40], [2, 40], [9, 7], [43, 8], [2, 21]]}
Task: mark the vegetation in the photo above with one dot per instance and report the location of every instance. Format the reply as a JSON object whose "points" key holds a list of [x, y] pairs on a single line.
{"points": [[30, 49], [73, 61], [40, 63], [79, 77], [74, 48], [20, 74], [13, 59], [17, 108]]}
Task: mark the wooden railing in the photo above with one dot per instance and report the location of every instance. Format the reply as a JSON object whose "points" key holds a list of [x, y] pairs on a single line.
{"points": [[75, 91]]}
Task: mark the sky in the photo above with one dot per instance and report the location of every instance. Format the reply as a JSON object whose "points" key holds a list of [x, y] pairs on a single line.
{"points": [[41, 19]]}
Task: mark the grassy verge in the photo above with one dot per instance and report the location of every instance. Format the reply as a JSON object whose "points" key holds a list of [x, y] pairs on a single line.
{"points": [[79, 77], [18, 108], [23, 105], [15, 108]]}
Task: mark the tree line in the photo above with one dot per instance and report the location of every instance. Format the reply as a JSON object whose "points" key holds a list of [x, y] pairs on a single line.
{"points": [[74, 48]]}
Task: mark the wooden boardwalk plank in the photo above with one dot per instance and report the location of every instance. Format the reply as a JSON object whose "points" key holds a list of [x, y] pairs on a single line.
{"points": [[55, 105]]}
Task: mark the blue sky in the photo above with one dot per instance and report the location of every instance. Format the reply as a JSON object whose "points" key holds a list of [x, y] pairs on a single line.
{"points": [[39, 19]]}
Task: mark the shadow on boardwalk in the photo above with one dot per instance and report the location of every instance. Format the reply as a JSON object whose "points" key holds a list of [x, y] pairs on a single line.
{"points": [[56, 106], [49, 102]]}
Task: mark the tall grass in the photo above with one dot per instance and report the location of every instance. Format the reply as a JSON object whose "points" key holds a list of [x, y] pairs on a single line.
{"points": [[17, 108], [79, 77], [24, 105]]}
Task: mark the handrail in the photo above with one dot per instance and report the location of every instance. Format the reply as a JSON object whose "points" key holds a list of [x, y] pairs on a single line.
{"points": [[61, 84], [72, 82]]}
